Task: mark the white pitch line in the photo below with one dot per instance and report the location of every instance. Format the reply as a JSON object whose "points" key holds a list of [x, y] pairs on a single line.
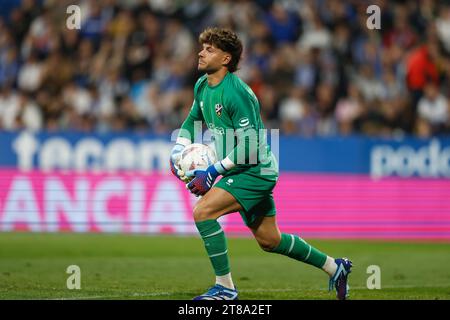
{"points": [[405, 286], [352, 287], [150, 294], [156, 294]]}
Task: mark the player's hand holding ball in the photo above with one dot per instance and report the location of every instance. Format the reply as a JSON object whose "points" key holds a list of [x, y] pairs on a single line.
{"points": [[198, 166], [174, 161], [202, 180]]}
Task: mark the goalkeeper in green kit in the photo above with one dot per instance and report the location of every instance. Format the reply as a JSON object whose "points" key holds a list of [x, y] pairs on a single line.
{"points": [[231, 111]]}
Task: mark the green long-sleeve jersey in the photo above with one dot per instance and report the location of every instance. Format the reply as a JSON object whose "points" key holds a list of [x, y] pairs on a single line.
{"points": [[231, 112]]}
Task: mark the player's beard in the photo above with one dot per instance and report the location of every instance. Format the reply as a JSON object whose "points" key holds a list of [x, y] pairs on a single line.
{"points": [[207, 69]]}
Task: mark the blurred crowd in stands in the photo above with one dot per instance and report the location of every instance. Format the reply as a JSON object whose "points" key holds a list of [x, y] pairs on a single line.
{"points": [[315, 66]]}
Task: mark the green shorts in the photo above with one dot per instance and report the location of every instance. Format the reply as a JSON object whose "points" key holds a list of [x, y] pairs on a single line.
{"points": [[253, 192]]}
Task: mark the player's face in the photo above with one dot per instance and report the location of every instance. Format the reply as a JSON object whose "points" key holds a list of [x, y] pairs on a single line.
{"points": [[211, 59]]}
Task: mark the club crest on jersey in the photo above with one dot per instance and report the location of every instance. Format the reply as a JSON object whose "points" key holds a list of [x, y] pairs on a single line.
{"points": [[219, 108]]}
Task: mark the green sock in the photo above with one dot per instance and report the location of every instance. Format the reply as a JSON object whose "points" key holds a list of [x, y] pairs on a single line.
{"points": [[297, 248], [215, 244]]}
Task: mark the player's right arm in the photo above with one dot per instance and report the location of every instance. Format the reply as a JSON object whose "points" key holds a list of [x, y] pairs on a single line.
{"points": [[194, 119], [187, 134]]}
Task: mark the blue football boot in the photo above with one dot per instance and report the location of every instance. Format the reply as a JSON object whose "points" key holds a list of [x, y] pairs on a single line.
{"points": [[219, 292], [340, 279]]}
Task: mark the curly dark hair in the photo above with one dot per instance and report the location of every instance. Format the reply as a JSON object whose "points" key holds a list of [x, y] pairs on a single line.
{"points": [[226, 40]]}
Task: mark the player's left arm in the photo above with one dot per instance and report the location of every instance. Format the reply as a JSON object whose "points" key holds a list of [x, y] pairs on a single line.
{"points": [[242, 111]]}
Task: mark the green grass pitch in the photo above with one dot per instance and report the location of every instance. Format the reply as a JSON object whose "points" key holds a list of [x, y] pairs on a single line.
{"points": [[33, 266]]}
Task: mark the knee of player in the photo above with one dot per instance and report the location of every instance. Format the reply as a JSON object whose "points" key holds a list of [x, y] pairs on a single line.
{"points": [[201, 212]]}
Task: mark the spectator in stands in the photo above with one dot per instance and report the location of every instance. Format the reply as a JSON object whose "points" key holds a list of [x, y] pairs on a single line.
{"points": [[433, 107], [421, 68], [314, 65]]}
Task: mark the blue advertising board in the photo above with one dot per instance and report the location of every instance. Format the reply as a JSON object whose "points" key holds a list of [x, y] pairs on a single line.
{"points": [[404, 157]]}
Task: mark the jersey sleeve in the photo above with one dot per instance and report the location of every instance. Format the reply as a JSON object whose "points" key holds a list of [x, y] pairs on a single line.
{"points": [[244, 113], [194, 120]]}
